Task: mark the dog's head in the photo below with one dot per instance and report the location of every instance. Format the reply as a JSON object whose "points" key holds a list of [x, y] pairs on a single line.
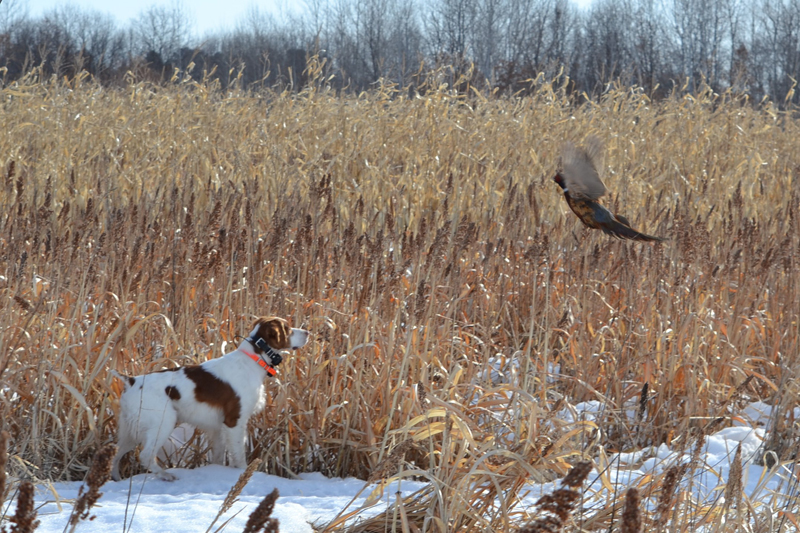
{"points": [[277, 333]]}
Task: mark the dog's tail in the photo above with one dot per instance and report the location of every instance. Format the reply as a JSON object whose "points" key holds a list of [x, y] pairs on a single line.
{"points": [[127, 381]]}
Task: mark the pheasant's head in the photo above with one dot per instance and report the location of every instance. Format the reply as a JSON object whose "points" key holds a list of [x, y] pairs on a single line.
{"points": [[560, 180]]}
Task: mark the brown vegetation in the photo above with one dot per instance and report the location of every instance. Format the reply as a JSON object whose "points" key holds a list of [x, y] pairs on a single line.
{"points": [[416, 238]]}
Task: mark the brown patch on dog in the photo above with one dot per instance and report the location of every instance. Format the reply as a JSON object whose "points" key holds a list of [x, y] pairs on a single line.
{"points": [[213, 391], [172, 392], [275, 331]]}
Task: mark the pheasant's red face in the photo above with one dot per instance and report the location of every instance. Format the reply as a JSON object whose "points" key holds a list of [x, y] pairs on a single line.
{"points": [[558, 179]]}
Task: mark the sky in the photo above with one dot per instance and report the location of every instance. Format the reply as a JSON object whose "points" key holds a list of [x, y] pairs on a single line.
{"points": [[189, 504], [209, 15]]}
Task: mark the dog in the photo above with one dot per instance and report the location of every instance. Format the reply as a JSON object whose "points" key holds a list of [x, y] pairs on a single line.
{"points": [[218, 396]]}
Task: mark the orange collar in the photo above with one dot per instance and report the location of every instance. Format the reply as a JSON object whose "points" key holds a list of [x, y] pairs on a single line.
{"points": [[263, 364]]}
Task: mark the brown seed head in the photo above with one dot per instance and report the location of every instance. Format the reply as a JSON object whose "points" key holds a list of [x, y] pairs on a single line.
{"points": [[260, 518], [99, 473]]}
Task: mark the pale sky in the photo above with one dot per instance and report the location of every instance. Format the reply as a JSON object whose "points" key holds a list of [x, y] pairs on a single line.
{"points": [[208, 15]]}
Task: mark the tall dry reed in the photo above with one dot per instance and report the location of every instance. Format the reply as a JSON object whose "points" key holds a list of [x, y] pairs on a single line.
{"points": [[417, 237]]}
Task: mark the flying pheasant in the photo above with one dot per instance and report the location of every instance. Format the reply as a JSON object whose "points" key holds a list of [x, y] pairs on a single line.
{"points": [[581, 168]]}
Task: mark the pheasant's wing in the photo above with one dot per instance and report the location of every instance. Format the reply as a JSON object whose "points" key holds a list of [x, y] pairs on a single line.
{"points": [[582, 167]]}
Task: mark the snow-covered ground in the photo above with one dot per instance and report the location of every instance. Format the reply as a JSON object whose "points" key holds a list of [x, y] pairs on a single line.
{"points": [[190, 504], [145, 504]]}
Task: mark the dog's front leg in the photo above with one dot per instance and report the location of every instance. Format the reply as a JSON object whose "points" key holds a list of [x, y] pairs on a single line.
{"points": [[235, 438]]}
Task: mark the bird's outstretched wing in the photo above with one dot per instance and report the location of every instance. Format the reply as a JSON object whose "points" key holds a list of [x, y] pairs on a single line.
{"points": [[582, 168]]}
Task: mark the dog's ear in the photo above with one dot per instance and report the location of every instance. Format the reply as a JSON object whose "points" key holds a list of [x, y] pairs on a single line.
{"points": [[278, 334], [275, 331]]}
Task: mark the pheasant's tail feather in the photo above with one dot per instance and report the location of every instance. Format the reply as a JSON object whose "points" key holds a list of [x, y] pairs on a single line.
{"points": [[623, 231]]}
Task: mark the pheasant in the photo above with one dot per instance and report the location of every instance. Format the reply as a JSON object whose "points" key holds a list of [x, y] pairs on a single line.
{"points": [[581, 168]]}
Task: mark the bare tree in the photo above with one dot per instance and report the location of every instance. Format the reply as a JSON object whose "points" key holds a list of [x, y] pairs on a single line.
{"points": [[699, 28], [405, 42], [648, 44], [92, 35], [389, 39], [489, 33], [449, 27], [12, 14], [162, 31], [607, 43]]}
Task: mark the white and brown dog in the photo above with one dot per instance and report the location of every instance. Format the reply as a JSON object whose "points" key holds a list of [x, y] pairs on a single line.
{"points": [[218, 396]]}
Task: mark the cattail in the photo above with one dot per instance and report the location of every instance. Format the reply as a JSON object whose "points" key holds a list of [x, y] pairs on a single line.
{"points": [[248, 213], [64, 213], [260, 518], [422, 394], [143, 223], [390, 464], [101, 242], [188, 228], [698, 447], [437, 250], [577, 475], [631, 513], [733, 488], [739, 390], [642, 403], [23, 260], [20, 188], [23, 303], [419, 302], [12, 165], [557, 507], [4, 437], [76, 239], [358, 212], [24, 519], [241, 242], [422, 233], [99, 473], [668, 486], [215, 217], [137, 248]]}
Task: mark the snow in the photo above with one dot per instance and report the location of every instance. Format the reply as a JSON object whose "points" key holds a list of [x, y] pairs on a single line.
{"points": [[191, 503]]}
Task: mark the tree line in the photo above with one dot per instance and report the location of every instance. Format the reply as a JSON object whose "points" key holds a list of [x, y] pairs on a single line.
{"points": [[749, 46]]}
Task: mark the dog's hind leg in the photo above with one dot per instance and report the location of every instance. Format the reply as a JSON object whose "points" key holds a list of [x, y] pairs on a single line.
{"points": [[217, 444], [125, 443], [155, 438]]}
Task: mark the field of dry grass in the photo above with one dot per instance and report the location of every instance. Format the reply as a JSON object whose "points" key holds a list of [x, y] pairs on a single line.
{"points": [[416, 238]]}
